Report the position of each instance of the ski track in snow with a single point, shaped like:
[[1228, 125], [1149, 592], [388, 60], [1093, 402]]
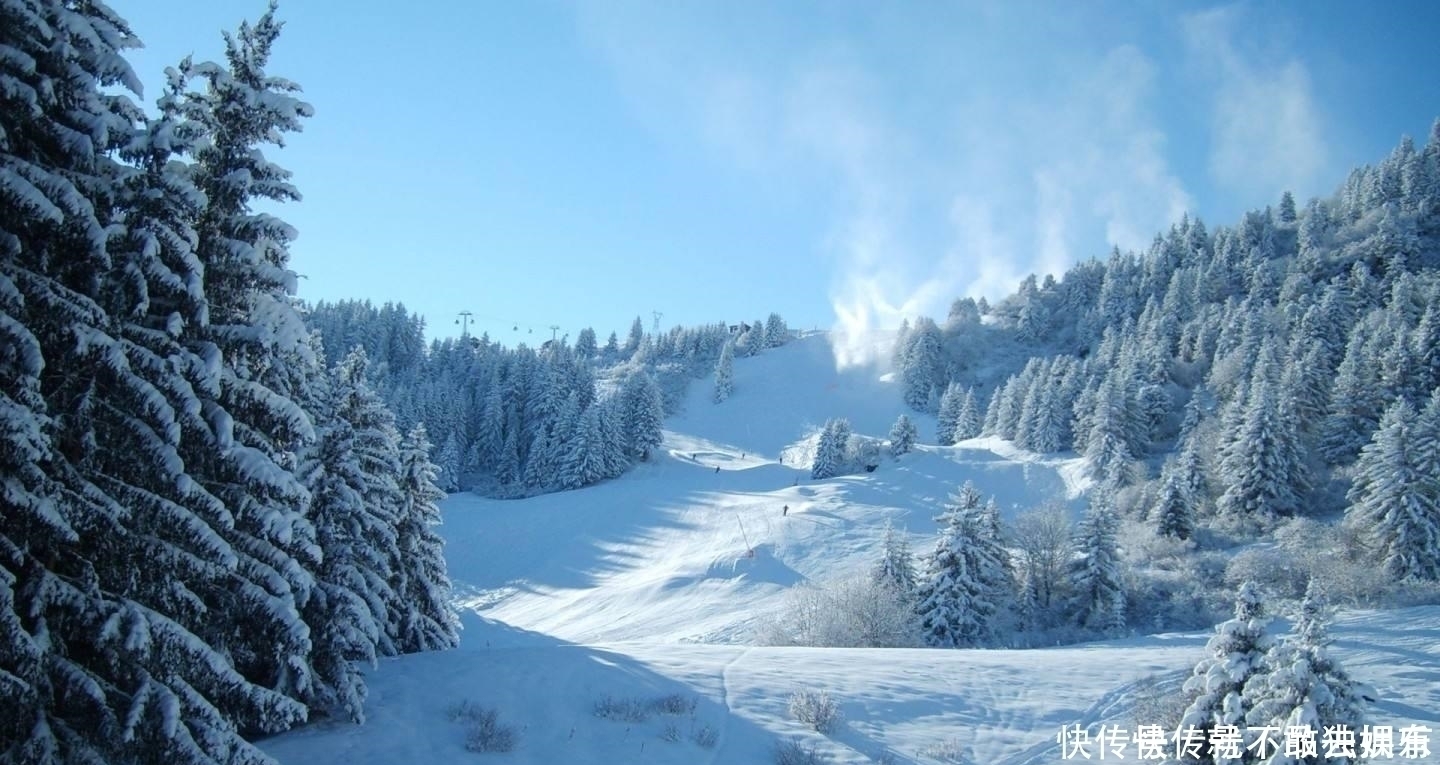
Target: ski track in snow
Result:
[[654, 583]]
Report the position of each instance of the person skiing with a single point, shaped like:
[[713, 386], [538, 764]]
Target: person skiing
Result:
[[786, 511], [717, 468]]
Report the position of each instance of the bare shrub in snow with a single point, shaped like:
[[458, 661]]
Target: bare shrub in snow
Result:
[[1337, 558], [705, 737], [671, 732], [674, 704], [629, 710], [816, 709], [950, 751], [1276, 570], [793, 752], [856, 612], [1042, 538], [483, 730]]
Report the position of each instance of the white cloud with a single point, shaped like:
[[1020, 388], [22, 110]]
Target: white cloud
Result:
[[1030, 176], [1266, 128]]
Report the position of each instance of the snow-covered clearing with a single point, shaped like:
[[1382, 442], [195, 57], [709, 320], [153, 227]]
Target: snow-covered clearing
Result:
[[651, 586]]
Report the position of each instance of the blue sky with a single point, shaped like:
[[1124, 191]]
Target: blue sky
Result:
[[844, 163]]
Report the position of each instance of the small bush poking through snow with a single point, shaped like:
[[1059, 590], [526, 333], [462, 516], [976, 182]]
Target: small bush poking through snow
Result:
[[671, 732], [674, 704], [816, 709], [483, 730], [950, 751], [705, 737], [622, 710], [633, 710], [793, 752]]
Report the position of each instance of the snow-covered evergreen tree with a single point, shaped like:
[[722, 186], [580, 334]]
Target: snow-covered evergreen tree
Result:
[[948, 420], [344, 625], [921, 369], [583, 459], [427, 620], [1107, 445], [1175, 506], [725, 373], [644, 415], [776, 333], [447, 461], [1235, 654], [586, 347], [612, 437], [1095, 577], [1305, 687], [971, 420], [109, 548], [966, 579], [902, 435], [1355, 403], [1395, 504], [830, 449], [896, 567], [632, 340], [1262, 468], [256, 334], [369, 532]]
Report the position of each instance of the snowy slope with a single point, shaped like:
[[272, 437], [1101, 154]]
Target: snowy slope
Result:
[[652, 584], [997, 707], [664, 552]]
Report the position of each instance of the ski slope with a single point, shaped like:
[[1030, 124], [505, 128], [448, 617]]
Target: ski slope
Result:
[[653, 584]]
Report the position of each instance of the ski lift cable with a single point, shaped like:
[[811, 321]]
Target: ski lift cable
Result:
[[515, 325]]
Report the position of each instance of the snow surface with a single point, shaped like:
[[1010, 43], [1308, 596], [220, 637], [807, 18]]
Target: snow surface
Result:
[[653, 584]]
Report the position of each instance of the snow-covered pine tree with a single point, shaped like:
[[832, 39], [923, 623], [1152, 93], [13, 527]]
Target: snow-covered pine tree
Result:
[[344, 626], [375, 450], [1355, 403], [755, 338], [1174, 510], [921, 369], [971, 419], [490, 431], [776, 333], [902, 435], [1107, 446], [612, 437], [632, 340], [830, 449], [1425, 347], [725, 373], [1045, 415], [965, 580], [1236, 654], [582, 460], [1304, 686], [1393, 502], [896, 567], [107, 545], [1262, 468], [257, 338], [1095, 577], [427, 620], [586, 346], [543, 468], [447, 461], [948, 419], [644, 415]]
